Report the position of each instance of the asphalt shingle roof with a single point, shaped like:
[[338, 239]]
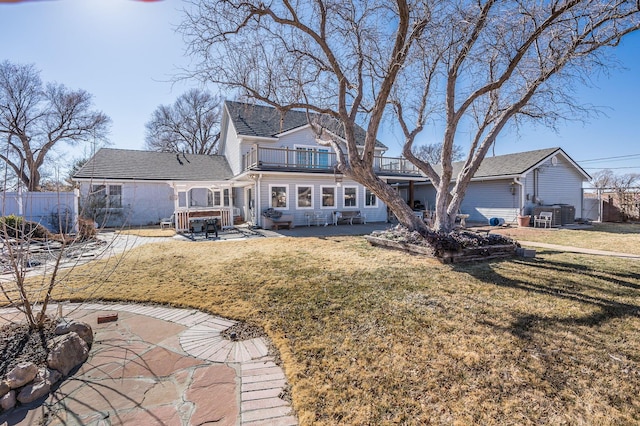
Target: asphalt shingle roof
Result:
[[127, 164], [509, 164], [506, 165], [266, 121]]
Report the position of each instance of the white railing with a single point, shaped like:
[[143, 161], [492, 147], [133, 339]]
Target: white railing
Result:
[[185, 216]]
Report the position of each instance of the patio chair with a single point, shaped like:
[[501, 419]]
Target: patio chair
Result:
[[544, 218], [166, 221]]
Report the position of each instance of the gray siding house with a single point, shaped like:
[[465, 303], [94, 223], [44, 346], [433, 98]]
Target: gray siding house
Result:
[[508, 185]]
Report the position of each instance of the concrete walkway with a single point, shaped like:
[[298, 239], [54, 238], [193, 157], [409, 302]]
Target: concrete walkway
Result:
[[161, 366], [579, 250]]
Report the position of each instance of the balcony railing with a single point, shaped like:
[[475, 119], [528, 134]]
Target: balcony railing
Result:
[[321, 160]]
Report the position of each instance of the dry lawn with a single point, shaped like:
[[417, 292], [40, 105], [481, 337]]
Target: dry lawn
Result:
[[621, 237], [371, 336], [148, 232]]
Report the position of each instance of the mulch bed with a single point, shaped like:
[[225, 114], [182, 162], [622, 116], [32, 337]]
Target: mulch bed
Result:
[[19, 343]]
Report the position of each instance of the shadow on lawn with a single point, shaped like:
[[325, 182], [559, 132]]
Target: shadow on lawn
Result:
[[614, 228], [613, 283]]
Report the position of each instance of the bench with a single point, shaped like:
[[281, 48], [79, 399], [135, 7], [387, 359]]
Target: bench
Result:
[[544, 218], [349, 216]]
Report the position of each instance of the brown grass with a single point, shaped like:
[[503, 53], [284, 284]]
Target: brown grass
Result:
[[370, 336], [148, 232], [620, 237]]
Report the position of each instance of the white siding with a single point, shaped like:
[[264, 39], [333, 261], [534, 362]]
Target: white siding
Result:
[[373, 214], [560, 184], [304, 137], [232, 149], [143, 203], [492, 198]]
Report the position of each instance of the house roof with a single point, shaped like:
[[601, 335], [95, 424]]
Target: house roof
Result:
[[266, 121], [514, 164], [125, 164]]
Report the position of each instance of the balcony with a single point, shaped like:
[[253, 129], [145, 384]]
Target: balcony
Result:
[[320, 160]]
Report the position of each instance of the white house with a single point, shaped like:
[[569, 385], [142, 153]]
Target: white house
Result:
[[272, 160], [266, 160]]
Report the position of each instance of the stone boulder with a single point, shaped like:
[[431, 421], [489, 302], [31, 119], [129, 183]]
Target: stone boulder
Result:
[[40, 386], [82, 328], [21, 374], [8, 401], [66, 352], [4, 388]]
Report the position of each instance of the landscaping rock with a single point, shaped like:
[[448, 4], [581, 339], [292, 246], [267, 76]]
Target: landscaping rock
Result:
[[33, 391], [40, 386], [8, 401], [66, 352], [49, 375], [82, 328], [4, 388], [21, 374]]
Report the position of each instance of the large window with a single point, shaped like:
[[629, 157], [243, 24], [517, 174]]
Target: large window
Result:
[[350, 196], [279, 199], [328, 197], [370, 199], [304, 196]]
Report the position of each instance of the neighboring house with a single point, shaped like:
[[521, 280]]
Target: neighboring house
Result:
[[266, 160], [508, 185]]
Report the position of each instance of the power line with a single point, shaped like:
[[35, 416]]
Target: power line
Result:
[[610, 158], [611, 168]]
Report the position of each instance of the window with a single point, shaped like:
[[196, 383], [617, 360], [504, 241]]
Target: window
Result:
[[304, 195], [279, 197], [106, 196], [328, 197], [370, 199], [99, 192], [115, 196], [351, 196]]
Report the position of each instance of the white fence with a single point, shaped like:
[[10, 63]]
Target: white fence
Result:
[[57, 211]]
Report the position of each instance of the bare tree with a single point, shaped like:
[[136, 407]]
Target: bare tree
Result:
[[472, 67], [35, 118], [432, 153], [191, 124]]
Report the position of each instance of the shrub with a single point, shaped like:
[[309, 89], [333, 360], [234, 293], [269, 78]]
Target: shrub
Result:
[[13, 226]]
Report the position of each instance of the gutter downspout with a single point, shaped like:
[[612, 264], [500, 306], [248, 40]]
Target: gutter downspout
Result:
[[522, 200]]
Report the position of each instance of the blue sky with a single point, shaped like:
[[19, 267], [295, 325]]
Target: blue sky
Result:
[[125, 53]]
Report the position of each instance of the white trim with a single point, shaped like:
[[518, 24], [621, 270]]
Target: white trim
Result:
[[298, 207], [344, 187], [335, 197], [294, 130], [374, 206], [279, 185]]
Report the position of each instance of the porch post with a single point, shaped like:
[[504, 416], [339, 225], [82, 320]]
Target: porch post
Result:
[[176, 204], [411, 194]]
